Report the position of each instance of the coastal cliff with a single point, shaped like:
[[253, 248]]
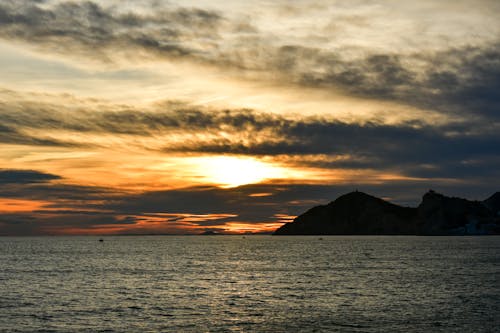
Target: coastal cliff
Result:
[[358, 213], [493, 203]]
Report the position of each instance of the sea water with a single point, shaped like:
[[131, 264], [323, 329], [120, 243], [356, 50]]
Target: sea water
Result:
[[250, 284]]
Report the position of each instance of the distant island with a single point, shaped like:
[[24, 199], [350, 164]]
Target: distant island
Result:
[[358, 213], [210, 233]]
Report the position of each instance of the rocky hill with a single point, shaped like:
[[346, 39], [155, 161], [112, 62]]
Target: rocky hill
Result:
[[357, 213], [441, 215], [493, 203]]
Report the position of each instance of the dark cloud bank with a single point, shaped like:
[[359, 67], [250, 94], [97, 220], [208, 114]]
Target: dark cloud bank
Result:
[[25, 177]]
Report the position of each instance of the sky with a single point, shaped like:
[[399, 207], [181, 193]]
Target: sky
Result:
[[179, 117]]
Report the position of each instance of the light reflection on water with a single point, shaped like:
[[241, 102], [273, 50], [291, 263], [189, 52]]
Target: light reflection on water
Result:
[[251, 284]]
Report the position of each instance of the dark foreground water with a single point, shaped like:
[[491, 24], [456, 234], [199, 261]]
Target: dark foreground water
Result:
[[252, 284]]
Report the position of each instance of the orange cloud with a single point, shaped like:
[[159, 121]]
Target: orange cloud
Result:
[[21, 205]]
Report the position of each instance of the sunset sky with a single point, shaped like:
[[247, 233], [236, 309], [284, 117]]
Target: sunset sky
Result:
[[155, 116]]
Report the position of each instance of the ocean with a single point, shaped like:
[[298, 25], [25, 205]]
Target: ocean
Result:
[[250, 284]]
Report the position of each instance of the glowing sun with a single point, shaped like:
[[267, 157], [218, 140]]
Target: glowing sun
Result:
[[228, 171]]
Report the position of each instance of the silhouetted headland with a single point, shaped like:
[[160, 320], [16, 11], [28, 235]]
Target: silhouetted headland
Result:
[[358, 213]]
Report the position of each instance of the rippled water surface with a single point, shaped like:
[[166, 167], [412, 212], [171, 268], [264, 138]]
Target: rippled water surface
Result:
[[250, 284]]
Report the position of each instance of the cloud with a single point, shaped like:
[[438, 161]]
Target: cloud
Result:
[[25, 177], [41, 223], [12, 136], [461, 79], [408, 147], [39, 186], [99, 32]]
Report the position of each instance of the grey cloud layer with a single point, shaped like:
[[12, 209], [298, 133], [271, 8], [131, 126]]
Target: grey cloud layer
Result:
[[97, 32], [461, 80], [10, 176]]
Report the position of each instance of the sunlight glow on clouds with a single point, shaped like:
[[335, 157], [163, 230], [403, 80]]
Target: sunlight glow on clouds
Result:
[[233, 171], [20, 205]]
